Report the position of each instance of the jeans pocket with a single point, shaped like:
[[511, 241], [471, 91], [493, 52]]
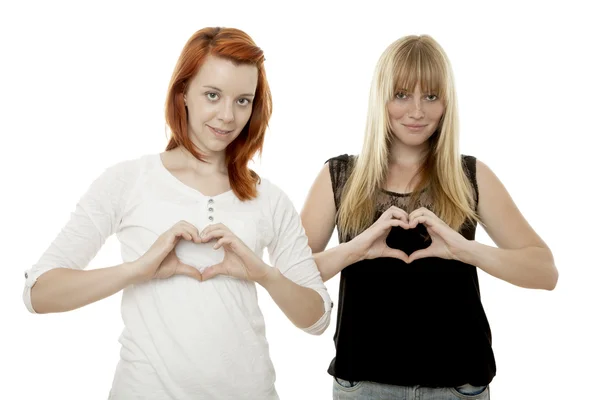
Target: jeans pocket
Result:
[[348, 385], [470, 392]]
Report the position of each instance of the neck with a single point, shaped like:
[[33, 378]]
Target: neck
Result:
[[407, 156], [214, 162]]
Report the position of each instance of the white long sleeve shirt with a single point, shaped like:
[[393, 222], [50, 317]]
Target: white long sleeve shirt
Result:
[[185, 339]]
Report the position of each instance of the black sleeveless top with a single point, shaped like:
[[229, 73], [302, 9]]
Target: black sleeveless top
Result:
[[410, 324]]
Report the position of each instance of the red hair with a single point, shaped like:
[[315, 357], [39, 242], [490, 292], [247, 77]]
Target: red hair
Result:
[[236, 46]]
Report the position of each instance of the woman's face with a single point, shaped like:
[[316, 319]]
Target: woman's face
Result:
[[415, 116], [219, 103]]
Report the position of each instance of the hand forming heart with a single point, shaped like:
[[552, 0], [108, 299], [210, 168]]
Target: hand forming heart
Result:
[[445, 241], [239, 261], [409, 237]]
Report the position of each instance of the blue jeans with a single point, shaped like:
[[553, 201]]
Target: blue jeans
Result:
[[364, 390]]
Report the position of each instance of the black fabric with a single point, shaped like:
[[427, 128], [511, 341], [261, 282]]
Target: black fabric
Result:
[[410, 324]]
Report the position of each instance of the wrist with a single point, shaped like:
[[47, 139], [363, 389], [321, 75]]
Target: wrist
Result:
[[131, 273], [269, 279], [352, 253], [468, 252]]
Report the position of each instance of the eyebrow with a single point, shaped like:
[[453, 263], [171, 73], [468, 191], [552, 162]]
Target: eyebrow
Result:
[[219, 90]]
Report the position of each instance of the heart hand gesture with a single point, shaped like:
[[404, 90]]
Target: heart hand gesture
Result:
[[239, 261], [372, 242], [160, 261], [445, 241]]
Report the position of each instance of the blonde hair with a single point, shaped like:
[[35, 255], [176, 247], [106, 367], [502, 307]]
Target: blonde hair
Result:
[[409, 61]]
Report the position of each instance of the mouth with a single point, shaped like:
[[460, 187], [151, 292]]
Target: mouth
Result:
[[414, 127], [219, 132]]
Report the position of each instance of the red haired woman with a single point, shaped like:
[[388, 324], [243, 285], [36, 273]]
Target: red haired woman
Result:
[[192, 222]]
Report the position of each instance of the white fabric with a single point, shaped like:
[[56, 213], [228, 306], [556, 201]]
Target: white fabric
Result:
[[185, 339]]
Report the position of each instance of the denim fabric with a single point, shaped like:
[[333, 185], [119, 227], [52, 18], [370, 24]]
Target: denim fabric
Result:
[[345, 390]]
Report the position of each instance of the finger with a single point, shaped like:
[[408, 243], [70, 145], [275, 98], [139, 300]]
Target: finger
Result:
[[424, 253], [395, 253], [399, 214], [212, 235], [395, 208], [422, 211], [428, 221], [213, 271], [193, 231], [186, 231], [188, 226], [416, 213], [209, 228], [221, 242], [394, 211], [188, 270], [397, 222], [183, 234]]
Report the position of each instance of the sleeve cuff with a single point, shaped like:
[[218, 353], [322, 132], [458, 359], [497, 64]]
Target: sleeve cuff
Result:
[[31, 277], [321, 325]]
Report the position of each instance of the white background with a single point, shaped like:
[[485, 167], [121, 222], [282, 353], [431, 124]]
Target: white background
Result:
[[83, 86]]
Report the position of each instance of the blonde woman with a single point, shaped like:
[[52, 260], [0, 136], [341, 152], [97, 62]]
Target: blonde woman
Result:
[[410, 319]]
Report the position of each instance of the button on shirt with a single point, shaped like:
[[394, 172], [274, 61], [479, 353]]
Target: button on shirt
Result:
[[185, 339]]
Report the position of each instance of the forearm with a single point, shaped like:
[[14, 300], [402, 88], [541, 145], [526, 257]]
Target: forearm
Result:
[[330, 262], [302, 305], [530, 267], [64, 289]]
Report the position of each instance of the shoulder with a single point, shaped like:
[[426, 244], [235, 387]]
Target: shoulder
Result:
[[476, 168], [470, 164], [123, 172], [482, 177], [340, 168], [486, 178], [269, 191], [119, 180], [341, 160], [273, 203], [132, 165], [266, 187]]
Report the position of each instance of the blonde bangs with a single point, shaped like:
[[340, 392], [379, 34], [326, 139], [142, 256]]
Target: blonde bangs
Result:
[[418, 62]]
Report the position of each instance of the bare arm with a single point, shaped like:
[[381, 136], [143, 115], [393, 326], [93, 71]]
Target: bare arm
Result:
[[522, 257], [334, 260], [302, 305], [65, 289], [318, 219]]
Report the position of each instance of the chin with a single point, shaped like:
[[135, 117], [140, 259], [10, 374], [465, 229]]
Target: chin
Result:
[[212, 145], [413, 141]]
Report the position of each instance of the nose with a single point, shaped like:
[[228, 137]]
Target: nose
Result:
[[226, 112], [416, 111]]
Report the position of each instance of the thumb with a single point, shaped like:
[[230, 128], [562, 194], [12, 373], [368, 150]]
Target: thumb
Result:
[[213, 271], [188, 270], [420, 254], [395, 253]]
